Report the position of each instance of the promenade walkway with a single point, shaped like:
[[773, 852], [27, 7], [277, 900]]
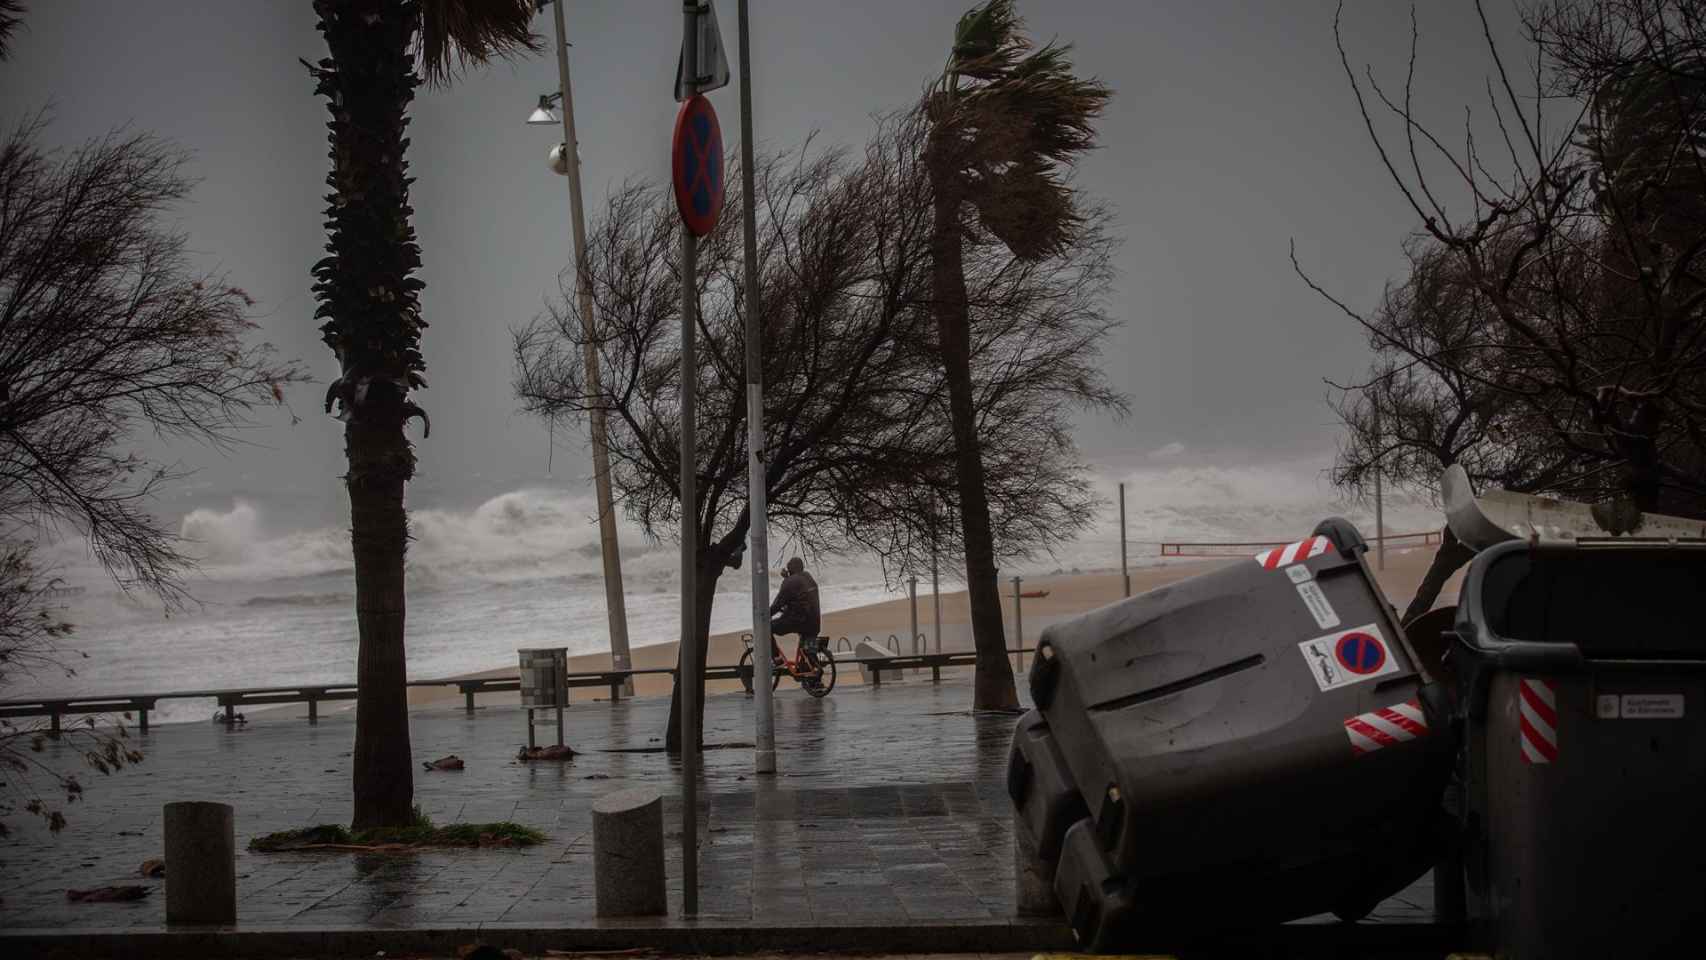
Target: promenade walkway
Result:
[[890, 809]]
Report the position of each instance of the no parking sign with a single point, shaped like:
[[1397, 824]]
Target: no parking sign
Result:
[[1349, 656], [697, 164]]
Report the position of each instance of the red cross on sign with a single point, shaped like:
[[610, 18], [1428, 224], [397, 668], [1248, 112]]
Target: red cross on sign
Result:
[[697, 164]]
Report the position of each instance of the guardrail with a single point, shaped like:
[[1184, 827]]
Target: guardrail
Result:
[[1232, 549], [314, 693]]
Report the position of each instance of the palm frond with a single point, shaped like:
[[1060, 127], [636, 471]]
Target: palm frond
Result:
[[456, 34]]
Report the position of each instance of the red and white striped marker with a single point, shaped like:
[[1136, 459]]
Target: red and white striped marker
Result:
[[1293, 552], [1537, 705], [1383, 728]]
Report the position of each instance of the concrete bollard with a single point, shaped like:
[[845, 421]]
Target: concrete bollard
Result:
[[1033, 877], [627, 854], [201, 863]]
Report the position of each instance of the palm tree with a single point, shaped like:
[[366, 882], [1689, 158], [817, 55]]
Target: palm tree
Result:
[[370, 303], [1007, 119]]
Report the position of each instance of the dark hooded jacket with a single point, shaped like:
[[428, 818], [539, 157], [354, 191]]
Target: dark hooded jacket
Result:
[[796, 605]]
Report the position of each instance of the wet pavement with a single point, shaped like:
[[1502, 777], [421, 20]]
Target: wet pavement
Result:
[[890, 807]]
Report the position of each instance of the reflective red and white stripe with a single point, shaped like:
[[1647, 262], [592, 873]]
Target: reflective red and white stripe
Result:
[[1537, 706], [1293, 552], [1383, 728]]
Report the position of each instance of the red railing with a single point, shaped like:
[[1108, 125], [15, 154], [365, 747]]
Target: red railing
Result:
[[1231, 549]]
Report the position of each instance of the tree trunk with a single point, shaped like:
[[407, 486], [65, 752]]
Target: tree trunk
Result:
[[372, 322], [708, 572], [379, 463], [993, 683], [1448, 559]]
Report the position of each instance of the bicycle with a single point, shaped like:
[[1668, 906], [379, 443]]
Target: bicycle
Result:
[[812, 667]]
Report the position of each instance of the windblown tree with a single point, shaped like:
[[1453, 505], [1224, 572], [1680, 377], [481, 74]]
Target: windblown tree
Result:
[[370, 303], [852, 393], [1007, 120], [1580, 365], [1586, 245], [107, 332]]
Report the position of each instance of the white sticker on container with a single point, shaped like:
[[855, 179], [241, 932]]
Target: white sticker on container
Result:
[[1347, 657], [1606, 706], [1299, 573], [1652, 706], [1325, 616]]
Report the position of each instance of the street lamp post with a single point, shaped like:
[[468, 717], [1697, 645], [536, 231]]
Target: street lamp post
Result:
[[615, 605]]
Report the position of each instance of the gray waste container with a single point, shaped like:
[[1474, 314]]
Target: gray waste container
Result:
[[1584, 673], [1251, 745]]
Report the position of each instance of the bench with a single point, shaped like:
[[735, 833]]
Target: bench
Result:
[[66, 706]]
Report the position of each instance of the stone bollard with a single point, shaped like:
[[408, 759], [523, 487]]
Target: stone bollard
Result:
[[627, 854], [201, 863], [1033, 877]]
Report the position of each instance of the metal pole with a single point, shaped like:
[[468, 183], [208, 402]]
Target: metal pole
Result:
[[1379, 507], [614, 605], [690, 668], [1125, 573], [936, 591], [1018, 622], [764, 753], [912, 595]]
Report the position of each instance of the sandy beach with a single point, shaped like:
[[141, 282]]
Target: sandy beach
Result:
[[1067, 594]]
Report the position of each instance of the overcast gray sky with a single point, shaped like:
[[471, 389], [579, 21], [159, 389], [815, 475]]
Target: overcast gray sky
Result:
[[1232, 131]]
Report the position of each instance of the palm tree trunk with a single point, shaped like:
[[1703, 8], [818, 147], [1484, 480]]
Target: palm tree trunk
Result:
[[369, 301], [379, 463], [993, 682]]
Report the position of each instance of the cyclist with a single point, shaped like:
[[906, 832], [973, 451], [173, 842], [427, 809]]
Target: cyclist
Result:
[[795, 609]]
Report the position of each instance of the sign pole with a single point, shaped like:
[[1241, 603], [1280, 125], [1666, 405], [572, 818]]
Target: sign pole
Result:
[[1125, 572], [614, 604], [689, 660], [764, 753]]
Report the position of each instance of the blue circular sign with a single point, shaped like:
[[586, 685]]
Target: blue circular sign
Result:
[[1360, 652], [697, 165]]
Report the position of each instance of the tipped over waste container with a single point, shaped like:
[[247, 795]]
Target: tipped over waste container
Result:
[[1251, 745], [1583, 666]]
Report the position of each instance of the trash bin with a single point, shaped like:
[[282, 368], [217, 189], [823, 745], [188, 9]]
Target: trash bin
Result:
[[1584, 699], [1251, 745]]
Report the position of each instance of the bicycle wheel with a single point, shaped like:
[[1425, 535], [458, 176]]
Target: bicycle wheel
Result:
[[746, 669], [821, 686]]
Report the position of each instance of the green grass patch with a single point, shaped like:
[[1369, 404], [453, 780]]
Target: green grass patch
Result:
[[421, 832]]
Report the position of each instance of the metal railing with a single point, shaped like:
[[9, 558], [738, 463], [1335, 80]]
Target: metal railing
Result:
[[1232, 549], [314, 693]]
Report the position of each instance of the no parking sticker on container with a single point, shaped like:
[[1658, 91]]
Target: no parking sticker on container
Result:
[[1349, 656]]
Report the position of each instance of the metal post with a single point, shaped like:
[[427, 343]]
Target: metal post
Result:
[[764, 753], [690, 669], [1125, 573], [936, 593], [1018, 622], [1379, 508], [912, 596], [614, 604]]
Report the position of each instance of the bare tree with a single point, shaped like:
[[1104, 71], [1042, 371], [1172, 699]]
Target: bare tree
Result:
[[853, 399], [1580, 235], [105, 331]]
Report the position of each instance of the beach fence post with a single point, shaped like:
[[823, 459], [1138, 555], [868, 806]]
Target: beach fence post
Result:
[[1125, 572], [912, 597], [1018, 622]]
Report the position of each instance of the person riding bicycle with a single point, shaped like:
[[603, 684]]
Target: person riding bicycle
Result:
[[795, 609]]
